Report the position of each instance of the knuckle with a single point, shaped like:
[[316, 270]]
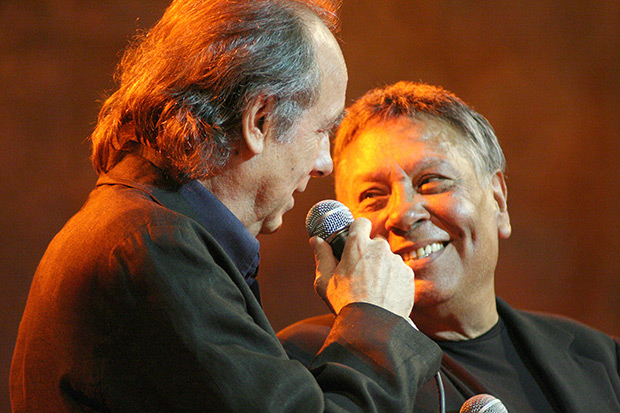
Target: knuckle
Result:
[[317, 282], [320, 283], [354, 237], [359, 225]]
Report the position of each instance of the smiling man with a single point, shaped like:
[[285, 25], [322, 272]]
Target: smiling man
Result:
[[146, 300], [428, 172]]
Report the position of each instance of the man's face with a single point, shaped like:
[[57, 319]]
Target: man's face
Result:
[[423, 195], [289, 166]]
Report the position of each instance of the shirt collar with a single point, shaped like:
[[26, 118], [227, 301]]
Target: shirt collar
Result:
[[232, 235]]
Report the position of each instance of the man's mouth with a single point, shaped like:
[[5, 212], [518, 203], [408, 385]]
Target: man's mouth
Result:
[[422, 252]]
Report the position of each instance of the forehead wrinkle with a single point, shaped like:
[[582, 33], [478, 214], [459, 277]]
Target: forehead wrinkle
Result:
[[374, 157], [357, 161], [386, 173]]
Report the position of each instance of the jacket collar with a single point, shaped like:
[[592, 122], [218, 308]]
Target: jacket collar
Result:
[[194, 201], [134, 171]]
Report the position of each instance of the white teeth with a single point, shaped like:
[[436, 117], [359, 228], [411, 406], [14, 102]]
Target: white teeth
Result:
[[423, 252]]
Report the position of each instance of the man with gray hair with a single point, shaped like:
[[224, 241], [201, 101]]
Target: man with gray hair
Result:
[[428, 172], [147, 300]]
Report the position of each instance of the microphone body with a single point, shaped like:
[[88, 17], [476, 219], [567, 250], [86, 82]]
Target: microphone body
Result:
[[483, 403], [330, 221]]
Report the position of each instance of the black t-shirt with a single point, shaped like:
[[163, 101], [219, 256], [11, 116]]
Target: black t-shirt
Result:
[[493, 360]]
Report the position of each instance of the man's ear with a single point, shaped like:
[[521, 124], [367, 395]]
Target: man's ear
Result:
[[255, 123], [500, 194]]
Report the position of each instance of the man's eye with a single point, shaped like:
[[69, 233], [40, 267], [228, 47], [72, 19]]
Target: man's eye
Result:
[[371, 193], [372, 199], [433, 184], [329, 131]]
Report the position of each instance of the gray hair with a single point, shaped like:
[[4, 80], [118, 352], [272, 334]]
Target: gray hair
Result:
[[185, 84], [419, 101]]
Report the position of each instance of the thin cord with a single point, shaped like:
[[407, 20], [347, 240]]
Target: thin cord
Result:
[[442, 394]]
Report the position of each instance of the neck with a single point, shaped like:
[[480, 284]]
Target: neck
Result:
[[450, 321], [230, 188]]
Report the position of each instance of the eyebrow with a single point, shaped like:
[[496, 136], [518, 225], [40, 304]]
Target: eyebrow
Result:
[[337, 120], [340, 117], [380, 173]]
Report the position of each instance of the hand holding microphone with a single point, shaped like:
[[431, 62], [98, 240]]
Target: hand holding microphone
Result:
[[367, 272]]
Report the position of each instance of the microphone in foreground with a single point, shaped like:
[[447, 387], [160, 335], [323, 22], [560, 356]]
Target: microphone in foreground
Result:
[[483, 403], [330, 221]]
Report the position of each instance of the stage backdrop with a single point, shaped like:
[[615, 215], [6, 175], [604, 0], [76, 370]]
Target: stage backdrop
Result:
[[545, 73]]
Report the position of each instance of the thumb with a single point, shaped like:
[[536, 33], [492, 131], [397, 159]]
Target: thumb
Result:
[[325, 264]]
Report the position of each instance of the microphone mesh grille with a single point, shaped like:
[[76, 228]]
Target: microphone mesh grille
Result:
[[327, 217], [483, 403]]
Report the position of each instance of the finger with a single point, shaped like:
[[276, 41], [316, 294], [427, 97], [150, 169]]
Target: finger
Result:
[[322, 251], [325, 263], [383, 242], [380, 237], [360, 227]]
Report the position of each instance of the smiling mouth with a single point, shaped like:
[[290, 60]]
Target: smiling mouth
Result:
[[422, 252]]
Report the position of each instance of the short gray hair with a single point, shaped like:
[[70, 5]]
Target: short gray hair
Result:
[[420, 101]]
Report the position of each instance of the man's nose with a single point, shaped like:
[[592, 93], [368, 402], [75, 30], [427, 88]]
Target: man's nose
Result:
[[323, 165], [406, 212]]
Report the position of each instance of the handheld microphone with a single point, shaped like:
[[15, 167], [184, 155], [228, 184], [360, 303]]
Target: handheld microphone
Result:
[[483, 403], [330, 221]]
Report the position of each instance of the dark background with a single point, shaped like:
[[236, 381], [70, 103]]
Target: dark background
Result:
[[545, 73]]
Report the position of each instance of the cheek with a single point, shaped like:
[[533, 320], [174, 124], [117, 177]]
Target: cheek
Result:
[[309, 146], [453, 213], [305, 156], [378, 222], [378, 228]]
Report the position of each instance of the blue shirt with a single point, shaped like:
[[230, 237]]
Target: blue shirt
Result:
[[240, 245]]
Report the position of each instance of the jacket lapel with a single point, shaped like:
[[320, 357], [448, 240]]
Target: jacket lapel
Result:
[[569, 380]]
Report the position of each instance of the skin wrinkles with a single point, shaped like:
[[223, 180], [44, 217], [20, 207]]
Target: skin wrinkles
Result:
[[258, 185], [418, 189], [308, 154]]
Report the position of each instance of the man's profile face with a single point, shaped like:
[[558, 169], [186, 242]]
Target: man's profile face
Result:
[[286, 168], [423, 195]]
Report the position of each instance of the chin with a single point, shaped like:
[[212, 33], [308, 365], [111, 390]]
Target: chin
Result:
[[271, 226], [267, 231], [426, 294]]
